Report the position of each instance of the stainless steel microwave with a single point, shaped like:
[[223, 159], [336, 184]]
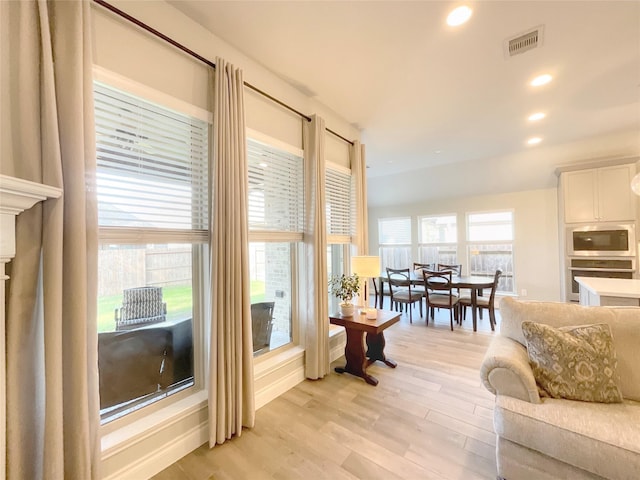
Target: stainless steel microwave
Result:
[[604, 240]]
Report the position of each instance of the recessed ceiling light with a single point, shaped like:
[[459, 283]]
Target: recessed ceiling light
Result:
[[534, 117], [437, 151], [458, 16], [264, 164], [534, 140], [541, 80]]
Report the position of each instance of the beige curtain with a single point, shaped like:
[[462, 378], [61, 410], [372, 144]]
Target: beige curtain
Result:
[[52, 376], [315, 296], [231, 397], [359, 171]]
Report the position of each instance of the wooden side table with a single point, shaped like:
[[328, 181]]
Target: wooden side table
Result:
[[356, 326]]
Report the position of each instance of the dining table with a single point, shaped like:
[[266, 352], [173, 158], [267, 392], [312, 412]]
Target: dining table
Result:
[[475, 283]]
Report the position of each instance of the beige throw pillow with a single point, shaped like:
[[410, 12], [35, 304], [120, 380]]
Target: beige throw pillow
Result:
[[577, 363]]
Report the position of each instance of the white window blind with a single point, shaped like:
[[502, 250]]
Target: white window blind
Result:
[[276, 188], [339, 202], [394, 231], [151, 164]]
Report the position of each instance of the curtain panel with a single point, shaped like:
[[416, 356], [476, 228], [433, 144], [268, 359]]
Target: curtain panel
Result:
[[359, 169], [315, 290], [52, 369], [231, 392]]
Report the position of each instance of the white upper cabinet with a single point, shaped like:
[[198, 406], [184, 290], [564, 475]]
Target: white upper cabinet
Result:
[[599, 195]]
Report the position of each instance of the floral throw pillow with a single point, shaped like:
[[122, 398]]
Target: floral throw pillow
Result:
[[576, 363]]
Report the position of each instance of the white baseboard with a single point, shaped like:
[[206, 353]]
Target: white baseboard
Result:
[[274, 390]]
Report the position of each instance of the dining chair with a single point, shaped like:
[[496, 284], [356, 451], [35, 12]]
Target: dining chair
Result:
[[456, 269], [417, 269], [483, 302], [262, 324], [439, 294], [399, 280]]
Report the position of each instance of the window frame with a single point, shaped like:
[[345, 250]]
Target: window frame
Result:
[[275, 236], [386, 245], [111, 235], [424, 244], [471, 244]]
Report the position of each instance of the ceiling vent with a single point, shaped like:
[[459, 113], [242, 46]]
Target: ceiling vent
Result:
[[524, 42]]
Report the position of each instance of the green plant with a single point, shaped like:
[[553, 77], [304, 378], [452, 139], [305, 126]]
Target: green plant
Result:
[[345, 287]]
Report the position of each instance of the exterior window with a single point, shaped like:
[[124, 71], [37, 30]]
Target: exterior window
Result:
[[490, 244], [152, 193], [438, 239], [394, 239], [276, 214], [340, 215]]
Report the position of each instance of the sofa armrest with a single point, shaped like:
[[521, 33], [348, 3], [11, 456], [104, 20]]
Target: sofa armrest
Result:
[[505, 370]]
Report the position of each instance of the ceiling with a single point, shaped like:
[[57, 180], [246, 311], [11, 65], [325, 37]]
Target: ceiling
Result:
[[426, 95]]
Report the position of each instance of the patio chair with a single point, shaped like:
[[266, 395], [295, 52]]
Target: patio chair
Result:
[[261, 324], [140, 306]]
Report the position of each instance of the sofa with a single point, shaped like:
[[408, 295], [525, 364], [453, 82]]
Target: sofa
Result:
[[542, 438]]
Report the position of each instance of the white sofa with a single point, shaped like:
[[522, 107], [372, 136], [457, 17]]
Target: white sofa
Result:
[[552, 438]]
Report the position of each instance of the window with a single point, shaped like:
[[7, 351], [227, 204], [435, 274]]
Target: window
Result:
[[438, 239], [152, 189], [490, 237], [340, 215], [276, 214], [394, 239]]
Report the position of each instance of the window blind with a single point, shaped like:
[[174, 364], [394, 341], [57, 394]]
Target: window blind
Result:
[[394, 231], [276, 188], [339, 202], [151, 164], [492, 226]]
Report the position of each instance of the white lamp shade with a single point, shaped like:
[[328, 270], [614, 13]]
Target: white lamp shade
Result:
[[366, 266], [635, 184]]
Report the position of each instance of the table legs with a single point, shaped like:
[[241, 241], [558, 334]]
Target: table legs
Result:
[[474, 307], [357, 361]]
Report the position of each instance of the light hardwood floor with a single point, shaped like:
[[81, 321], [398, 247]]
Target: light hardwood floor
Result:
[[430, 418]]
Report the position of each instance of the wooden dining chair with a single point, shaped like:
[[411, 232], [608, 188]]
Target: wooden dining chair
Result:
[[483, 302], [439, 294], [417, 270], [455, 269], [404, 294]]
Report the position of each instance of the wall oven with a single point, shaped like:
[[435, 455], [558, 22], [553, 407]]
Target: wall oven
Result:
[[597, 267], [602, 240]]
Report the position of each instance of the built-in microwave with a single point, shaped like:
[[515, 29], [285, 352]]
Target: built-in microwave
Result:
[[607, 240]]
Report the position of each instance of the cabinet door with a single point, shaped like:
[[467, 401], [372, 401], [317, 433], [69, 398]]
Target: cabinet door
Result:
[[580, 198], [616, 200]]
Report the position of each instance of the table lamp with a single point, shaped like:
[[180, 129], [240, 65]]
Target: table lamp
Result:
[[366, 266]]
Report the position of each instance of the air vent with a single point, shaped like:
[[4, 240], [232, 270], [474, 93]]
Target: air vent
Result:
[[524, 42]]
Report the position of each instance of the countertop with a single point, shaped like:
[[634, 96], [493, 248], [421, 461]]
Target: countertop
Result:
[[611, 287]]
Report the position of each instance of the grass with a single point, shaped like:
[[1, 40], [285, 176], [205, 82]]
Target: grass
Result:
[[177, 297]]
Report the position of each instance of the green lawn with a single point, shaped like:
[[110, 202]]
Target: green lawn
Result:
[[178, 299]]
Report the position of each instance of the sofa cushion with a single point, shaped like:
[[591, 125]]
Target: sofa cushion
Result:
[[578, 363], [624, 323], [603, 439]]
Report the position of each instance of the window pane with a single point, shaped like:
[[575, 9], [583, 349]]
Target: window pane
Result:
[[270, 266], [276, 188], [335, 266], [151, 164], [440, 229], [145, 324], [494, 226], [445, 254], [395, 257], [485, 259]]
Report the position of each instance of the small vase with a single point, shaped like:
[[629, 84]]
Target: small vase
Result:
[[347, 309]]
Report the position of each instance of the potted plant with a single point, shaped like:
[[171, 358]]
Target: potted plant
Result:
[[345, 287]]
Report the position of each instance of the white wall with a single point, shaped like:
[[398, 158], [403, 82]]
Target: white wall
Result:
[[536, 245]]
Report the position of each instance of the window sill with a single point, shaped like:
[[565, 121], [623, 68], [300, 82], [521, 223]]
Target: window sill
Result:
[[119, 440]]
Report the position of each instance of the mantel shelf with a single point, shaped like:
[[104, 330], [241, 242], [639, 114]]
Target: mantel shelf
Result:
[[16, 196]]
